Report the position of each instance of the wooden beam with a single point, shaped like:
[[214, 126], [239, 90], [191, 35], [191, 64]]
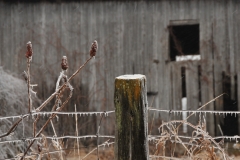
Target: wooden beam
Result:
[[130, 101]]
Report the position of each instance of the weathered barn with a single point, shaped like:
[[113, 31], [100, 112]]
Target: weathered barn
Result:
[[135, 37]]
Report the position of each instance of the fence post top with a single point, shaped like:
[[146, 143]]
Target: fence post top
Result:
[[131, 76]]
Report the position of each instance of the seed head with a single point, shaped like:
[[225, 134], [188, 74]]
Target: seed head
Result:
[[29, 50], [93, 49], [64, 63]]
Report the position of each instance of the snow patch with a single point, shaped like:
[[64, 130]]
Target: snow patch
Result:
[[132, 76], [188, 57]]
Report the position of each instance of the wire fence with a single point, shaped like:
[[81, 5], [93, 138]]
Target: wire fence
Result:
[[197, 140], [33, 115], [179, 112], [48, 114], [151, 138]]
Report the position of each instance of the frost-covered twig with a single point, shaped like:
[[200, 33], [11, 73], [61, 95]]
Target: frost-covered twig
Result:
[[34, 125], [206, 105], [57, 93], [79, 69], [47, 100], [98, 135], [62, 87], [175, 133], [199, 140], [57, 145], [29, 58], [58, 101], [105, 143], [198, 110], [28, 86], [64, 65], [76, 120], [198, 129], [45, 125], [12, 129]]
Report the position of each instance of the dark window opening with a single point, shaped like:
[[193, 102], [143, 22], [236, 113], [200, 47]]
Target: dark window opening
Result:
[[199, 83], [183, 77], [184, 40], [230, 104]]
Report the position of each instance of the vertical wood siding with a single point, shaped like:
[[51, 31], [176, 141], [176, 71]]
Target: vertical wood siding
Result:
[[133, 39]]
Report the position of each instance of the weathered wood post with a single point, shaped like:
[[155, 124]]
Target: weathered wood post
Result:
[[130, 99]]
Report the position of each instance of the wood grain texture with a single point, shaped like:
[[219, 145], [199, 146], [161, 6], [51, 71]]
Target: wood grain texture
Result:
[[133, 39], [131, 109]]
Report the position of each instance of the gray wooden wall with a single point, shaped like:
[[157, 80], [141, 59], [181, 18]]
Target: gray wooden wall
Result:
[[133, 39]]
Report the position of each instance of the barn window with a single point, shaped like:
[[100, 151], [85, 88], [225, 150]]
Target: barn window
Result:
[[184, 40], [230, 104]]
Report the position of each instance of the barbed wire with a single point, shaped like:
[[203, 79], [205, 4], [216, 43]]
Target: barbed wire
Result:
[[109, 112], [195, 111], [106, 113], [150, 138], [59, 113], [236, 137], [56, 138]]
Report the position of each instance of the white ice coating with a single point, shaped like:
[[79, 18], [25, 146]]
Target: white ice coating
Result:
[[56, 138], [48, 114], [132, 76], [157, 137], [222, 113]]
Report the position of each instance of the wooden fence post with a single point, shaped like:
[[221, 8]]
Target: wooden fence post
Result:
[[130, 99]]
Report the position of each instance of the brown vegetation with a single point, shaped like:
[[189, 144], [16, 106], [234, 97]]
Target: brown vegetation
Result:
[[63, 87]]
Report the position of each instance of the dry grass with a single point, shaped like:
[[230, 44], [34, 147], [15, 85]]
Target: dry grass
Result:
[[198, 146], [104, 154]]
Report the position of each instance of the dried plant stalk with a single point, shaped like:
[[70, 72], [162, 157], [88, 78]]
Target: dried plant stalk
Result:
[[76, 120], [58, 145], [66, 84], [45, 125], [199, 144], [29, 57], [35, 125], [58, 92], [96, 148]]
